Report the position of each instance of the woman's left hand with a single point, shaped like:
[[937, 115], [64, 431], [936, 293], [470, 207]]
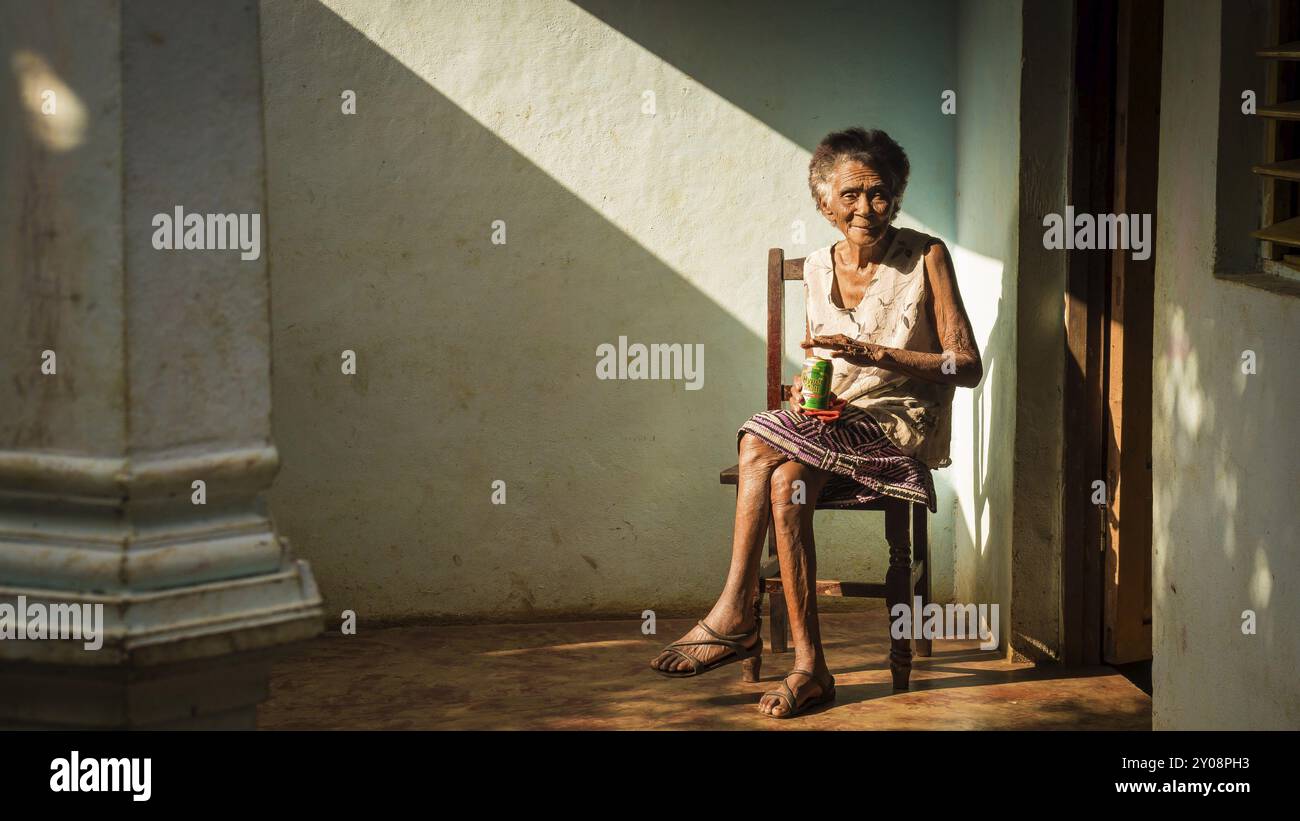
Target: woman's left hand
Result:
[[853, 351]]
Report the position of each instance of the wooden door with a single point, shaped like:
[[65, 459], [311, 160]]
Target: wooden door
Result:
[[1106, 551], [1126, 584]]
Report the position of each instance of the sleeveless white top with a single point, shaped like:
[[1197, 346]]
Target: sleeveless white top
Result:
[[915, 414]]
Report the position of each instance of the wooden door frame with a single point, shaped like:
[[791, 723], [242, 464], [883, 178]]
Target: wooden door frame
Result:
[[1087, 280], [1126, 583], [1113, 148]]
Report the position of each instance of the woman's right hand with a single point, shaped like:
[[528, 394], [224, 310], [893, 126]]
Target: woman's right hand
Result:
[[796, 402], [796, 394]]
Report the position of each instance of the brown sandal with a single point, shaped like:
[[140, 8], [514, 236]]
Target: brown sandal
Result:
[[734, 643], [826, 696]]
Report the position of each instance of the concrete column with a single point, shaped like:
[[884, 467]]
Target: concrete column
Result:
[[129, 373], [1045, 93]]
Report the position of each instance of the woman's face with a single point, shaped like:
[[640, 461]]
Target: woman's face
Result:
[[860, 204]]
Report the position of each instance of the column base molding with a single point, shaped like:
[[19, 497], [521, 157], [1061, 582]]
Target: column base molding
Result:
[[181, 623], [217, 693]]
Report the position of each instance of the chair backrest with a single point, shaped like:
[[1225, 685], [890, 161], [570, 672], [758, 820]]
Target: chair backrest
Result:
[[779, 271]]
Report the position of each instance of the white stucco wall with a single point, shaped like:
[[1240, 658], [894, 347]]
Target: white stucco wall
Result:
[[61, 296], [978, 486], [477, 361], [1224, 442]]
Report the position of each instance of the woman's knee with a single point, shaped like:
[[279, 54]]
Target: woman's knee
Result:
[[791, 483], [754, 452]]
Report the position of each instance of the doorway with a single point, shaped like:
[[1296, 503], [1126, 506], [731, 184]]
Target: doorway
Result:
[[1106, 509]]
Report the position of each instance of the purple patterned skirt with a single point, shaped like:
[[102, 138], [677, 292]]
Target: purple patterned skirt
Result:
[[866, 464]]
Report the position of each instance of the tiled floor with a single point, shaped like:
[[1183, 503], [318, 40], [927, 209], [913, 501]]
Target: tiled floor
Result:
[[595, 675]]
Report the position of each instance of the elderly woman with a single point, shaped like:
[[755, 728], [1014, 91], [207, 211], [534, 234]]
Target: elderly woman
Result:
[[883, 304]]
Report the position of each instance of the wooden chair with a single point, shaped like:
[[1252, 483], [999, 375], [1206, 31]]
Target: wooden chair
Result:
[[909, 566]]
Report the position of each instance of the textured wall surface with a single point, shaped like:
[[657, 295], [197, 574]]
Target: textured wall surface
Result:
[[1224, 442], [132, 472], [63, 271], [476, 361], [123, 142], [198, 343], [1046, 100], [988, 196]]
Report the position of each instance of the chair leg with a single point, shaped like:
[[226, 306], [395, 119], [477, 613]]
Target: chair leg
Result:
[[898, 583], [921, 553], [752, 669]]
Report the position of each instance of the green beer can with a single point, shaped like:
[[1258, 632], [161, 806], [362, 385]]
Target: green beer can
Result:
[[816, 383]]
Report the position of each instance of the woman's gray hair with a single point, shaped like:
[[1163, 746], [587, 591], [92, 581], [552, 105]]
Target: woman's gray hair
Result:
[[874, 148]]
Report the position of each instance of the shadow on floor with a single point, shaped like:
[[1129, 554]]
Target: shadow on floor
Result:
[[1138, 672], [595, 675]]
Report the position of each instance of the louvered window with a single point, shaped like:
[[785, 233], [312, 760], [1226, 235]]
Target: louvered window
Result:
[[1279, 172]]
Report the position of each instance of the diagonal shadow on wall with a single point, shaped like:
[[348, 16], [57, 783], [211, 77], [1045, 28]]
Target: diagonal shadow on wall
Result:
[[807, 69], [796, 69], [476, 361]]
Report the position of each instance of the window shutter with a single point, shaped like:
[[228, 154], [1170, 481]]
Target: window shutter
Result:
[[1280, 170]]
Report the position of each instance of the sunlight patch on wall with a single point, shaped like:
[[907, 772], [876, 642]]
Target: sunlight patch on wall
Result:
[[1225, 489], [1261, 580], [1182, 398], [56, 117], [980, 280], [700, 183]]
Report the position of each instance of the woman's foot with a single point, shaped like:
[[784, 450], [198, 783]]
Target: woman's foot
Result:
[[806, 687], [727, 623]]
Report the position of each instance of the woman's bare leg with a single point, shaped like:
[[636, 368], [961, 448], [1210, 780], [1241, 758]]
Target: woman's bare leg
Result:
[[734, 611], [797, 554]]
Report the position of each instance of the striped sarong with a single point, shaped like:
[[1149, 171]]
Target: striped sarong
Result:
[[866, 464]]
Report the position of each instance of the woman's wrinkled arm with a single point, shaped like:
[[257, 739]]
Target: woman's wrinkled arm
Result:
[[959, 363]]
